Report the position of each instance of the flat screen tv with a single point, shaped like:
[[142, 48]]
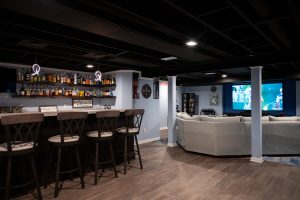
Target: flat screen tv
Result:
[[272, 97]]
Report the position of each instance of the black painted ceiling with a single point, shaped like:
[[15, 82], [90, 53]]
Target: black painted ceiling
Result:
[[123, 34]]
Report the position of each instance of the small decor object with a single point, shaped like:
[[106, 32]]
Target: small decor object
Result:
[[214, 99], [36, 69], [146, 91], [155, 89], [213, 89], [82, 103], [44, 109], [135, 85]]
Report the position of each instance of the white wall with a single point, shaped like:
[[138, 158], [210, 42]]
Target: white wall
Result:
[[204, 94], [298, 98], [163, 103], [151, 121]]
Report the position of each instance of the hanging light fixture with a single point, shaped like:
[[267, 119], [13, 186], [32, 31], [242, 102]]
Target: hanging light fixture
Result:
[[98, 74], [35, 67]]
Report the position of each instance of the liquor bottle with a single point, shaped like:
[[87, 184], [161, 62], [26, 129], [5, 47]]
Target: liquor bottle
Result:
[[38, 78], [113, 81], [41, 92], [62, 79], [19, 74], [60, 91], [75, 79], [31, 78], [68, 79], [54, 78], [34, 78], [56, 92], [83, 80], [22, 91], [27, 75], [44, 78], [58, 78]]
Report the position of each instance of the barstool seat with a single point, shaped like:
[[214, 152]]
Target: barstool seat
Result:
[[130, 130], [67, 139], [18, 146], [94, 134]]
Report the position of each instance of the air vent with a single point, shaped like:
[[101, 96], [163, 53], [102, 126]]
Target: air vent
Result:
[[95, 55], [32, 44]]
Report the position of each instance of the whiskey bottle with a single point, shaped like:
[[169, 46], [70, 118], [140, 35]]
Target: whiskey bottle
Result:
[[22, 91]]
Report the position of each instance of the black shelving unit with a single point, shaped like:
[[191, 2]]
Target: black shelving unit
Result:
[[189, 103]]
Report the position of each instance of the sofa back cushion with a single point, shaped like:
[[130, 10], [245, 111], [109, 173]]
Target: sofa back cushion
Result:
[[294, 118], [248, 119], [221, 119]]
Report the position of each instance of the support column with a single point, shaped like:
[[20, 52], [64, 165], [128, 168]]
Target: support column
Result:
[[256, 111], [172, 111]]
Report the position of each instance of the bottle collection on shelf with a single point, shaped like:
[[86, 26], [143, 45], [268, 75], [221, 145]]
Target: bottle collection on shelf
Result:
[[66, 84]]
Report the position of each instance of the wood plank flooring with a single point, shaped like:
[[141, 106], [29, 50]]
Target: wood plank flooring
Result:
[[172, 173]]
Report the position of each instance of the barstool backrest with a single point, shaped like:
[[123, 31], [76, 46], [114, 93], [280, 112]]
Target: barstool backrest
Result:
[[107, 121], [71, 123], [21, 128], [134, 118]]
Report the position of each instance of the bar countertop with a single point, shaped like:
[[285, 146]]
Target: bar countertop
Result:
[[52, 114]]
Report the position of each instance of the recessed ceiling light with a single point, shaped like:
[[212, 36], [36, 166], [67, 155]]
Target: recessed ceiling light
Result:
[[90, 66], [169, 58], [191, 43], [224, 75], [210, 73], [250, 55]]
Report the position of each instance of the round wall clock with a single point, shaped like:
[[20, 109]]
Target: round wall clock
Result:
[[146, 91]]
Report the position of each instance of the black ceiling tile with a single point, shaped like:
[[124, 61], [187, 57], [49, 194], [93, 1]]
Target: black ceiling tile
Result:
[[224, 19]]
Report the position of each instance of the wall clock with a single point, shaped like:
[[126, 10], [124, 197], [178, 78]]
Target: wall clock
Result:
[[146, 91]]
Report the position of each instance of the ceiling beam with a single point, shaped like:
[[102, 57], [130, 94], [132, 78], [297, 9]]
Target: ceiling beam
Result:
[[236, 9], [208, 25], [212, 11]]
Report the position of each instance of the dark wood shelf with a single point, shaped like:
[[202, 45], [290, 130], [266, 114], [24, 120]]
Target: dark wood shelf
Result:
[[72, 97], [66, 84]]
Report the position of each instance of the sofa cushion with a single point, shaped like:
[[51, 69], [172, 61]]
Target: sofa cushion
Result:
[[187, 117], [294, 118], [182, 114], [248, 119], [221, 119]]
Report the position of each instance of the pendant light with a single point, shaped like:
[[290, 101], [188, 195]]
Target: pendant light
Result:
[[98, 74], [35, 67]]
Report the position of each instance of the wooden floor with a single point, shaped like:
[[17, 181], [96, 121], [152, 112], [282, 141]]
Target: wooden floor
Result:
[[171, 173]]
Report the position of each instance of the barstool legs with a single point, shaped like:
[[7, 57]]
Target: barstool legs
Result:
[[79, 167], [138, 150], [125, 154], [7, 186], [57, 173], [96, 163], [112, 158], [37, 185]]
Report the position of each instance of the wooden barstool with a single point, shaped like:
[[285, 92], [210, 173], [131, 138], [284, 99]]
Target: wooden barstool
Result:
[[21, 133], [133, 119], [71, 127], [106, 124]]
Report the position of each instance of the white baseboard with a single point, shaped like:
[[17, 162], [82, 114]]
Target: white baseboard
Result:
[[257, 160], [148, 140], [172, 144]]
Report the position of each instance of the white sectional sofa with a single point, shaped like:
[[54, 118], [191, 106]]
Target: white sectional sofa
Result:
[[220, 136]]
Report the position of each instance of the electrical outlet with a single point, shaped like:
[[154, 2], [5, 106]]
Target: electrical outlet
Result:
[[145, 130]]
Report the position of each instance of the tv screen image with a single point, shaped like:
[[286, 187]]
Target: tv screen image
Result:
[[271, 97]]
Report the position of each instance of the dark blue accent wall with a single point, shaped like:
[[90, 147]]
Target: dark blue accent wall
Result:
[[289, 99]]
